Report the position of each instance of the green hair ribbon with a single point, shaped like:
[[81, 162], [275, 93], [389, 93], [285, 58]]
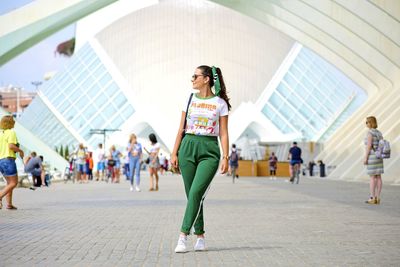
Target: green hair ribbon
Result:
[[217, 85]]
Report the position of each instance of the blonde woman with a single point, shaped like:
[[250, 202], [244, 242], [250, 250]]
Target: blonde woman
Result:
[[134, 149], [8, 148], [374, 165]]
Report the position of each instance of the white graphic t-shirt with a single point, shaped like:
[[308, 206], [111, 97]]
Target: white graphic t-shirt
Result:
[[203, 115], [154, 147]]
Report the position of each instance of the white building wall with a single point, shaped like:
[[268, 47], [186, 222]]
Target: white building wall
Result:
[[157, 49]]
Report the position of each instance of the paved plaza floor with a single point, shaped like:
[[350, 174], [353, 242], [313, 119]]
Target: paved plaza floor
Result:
[[254, 222]]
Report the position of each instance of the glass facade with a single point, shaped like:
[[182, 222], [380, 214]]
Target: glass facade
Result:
[[313, 98], [85, 95], [45, 125]]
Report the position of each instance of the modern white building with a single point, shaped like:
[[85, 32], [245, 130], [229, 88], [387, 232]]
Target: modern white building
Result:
[[295, 70]]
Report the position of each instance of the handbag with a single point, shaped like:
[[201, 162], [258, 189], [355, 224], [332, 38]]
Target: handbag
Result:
[[183, 133]]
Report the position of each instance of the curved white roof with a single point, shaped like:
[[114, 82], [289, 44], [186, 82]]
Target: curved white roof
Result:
[[152, 53], [362, 39], [156, 49]]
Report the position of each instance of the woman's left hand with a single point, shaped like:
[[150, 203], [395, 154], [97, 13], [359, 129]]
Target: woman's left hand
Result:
[[21, 154], [365, 161], [224, 166]]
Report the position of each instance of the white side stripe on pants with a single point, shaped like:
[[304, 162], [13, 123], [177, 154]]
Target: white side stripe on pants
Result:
[[201, 203]]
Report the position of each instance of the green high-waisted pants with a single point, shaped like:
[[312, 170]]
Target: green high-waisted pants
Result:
[[198, 159]]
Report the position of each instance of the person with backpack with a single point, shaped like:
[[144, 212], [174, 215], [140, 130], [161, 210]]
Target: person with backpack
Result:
[[234, 163], [373, 163], [295, 162]]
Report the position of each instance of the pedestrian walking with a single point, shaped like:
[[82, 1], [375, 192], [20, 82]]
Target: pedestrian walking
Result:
[[89, 166], [126, 171], [100, 162], [311, 165], [204, 118], [163, 163], [154, 163], [295, 162], [81, 155], [9, 146], [234, 163], [273, 165], [374, 165], [116, 155]]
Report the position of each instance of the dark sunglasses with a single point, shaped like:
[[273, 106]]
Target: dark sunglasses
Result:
[[194, 76]]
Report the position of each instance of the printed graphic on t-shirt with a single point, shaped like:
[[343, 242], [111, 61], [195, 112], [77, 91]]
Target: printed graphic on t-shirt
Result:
[[203, 116]]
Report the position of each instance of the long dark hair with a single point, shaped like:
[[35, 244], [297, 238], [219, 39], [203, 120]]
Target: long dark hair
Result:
[[153, 138], [207, 71]]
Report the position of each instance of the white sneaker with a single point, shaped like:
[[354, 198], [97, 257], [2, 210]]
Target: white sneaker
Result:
[[137, 188], [131, 188], [181, 247], [200, 245]]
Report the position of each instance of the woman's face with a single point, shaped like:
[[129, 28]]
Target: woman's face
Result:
[[198, 79], [368, 124], [132, 139]]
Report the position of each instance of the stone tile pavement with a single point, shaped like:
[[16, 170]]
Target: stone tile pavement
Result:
[[254, 222]]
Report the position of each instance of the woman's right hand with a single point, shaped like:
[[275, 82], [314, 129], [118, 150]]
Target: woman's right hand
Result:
[[174, 161]]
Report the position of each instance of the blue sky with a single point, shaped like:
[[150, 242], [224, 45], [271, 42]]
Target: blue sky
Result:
[[32, 64]]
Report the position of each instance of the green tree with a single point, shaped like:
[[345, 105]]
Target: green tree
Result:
[[61, 151], [66, 152], [56, 148]]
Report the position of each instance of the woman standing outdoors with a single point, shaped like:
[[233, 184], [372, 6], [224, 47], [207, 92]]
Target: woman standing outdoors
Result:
[[374, 165], [154, 163], [135, 154], [199, 153], [273, 164], [8, 147], [115, 155]]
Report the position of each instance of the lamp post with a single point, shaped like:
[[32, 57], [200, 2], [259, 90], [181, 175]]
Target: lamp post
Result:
[[36, 84], [104, 133], [18, 110]]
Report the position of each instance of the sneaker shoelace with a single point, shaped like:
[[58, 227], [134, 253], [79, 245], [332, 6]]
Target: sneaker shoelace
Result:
[[182, 241], [200, 242]]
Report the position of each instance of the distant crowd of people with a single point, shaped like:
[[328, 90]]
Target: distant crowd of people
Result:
[[99, 165]]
